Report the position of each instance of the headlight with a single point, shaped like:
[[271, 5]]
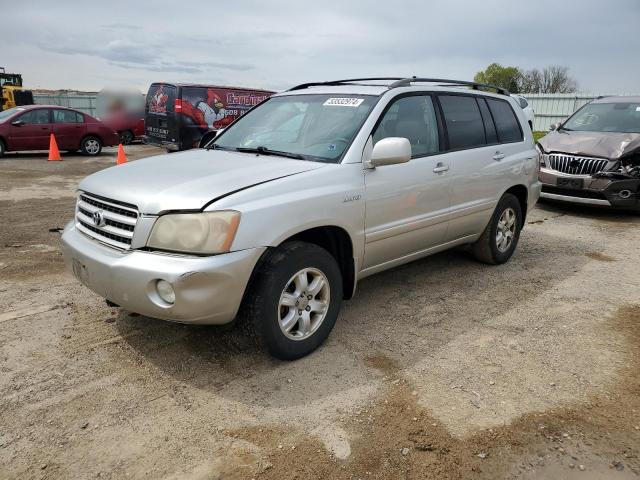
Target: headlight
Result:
[[204, 233]]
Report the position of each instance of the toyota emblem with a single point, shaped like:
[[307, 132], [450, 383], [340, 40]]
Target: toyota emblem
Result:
[[98, 218]]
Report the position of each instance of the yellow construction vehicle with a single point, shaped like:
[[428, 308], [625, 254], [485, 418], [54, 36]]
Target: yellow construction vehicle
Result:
[[11, 92]]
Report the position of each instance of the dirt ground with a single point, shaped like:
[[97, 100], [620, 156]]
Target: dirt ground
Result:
[[441, 369]]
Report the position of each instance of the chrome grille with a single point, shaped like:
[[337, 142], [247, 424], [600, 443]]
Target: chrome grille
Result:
[[575, 165], [118, 220]]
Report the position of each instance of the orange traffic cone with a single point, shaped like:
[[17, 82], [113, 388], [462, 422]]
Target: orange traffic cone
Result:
[[54, 153], [122, 158]]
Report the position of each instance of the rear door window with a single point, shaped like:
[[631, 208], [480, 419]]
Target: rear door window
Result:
[[462, 118], [67, 116], [161, 99], [413, 118], [489, 126], [506, 121]]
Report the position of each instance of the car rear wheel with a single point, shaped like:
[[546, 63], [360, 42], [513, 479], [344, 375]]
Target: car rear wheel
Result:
[[126, 137], [499, 240], [91, 146], [293, 300], [2, 149]]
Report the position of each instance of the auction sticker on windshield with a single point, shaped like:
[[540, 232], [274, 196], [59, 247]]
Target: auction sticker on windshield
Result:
[[343, 102]]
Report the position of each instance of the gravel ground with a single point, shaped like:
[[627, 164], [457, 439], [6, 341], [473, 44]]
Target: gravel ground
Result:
[[444, 368]]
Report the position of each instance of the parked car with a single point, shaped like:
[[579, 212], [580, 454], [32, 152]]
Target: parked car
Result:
[[128, 125], [183, 116], [29, 128], [593, 157], [302, 197], [529, 113]]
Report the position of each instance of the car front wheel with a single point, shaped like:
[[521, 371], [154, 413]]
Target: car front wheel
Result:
[[91, 146], [293, 300], [499, 240]]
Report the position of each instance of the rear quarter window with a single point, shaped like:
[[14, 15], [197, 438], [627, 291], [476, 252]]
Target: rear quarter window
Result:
[[463, 121], [505, 119]]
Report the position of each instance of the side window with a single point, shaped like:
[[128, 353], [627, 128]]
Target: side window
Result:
[[36, 117], [463, 120], [506, 121], [66, 116], [489, 127], [413, 118]]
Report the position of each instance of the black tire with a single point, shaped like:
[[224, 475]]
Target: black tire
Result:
[[485, 249], [2, 148], [126, 137], [259, 315], [90, 148]]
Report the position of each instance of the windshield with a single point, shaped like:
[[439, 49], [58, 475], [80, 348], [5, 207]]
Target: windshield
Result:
[[311, 127], [7, 113], [606, 117]]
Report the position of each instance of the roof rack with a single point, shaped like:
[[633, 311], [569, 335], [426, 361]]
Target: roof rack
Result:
[[342, 82], [403, 82], [462, 83]]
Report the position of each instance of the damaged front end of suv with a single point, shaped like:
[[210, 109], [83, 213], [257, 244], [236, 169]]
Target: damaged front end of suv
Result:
[[594, 157]]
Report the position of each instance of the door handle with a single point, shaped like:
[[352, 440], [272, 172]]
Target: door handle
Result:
[[440, 168], [498, 156]]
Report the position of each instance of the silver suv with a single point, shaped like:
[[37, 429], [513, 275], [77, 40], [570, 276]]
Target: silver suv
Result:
[[307, 193]]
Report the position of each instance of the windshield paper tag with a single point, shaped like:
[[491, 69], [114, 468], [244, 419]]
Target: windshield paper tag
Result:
[[343, 102]]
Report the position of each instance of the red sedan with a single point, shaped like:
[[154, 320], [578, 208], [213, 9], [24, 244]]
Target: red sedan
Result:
[[29, 127], [129, 125]]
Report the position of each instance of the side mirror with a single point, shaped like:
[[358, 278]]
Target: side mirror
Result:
[[17, 123], [555, 126], [390, 151]]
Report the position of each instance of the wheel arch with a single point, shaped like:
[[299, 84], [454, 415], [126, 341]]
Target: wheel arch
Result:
[[522, 194], [337, 241]]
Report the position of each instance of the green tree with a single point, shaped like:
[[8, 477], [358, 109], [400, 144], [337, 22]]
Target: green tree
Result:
[[496, 74]]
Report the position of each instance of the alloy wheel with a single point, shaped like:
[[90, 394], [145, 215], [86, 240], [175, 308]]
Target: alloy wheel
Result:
[[304, 303]]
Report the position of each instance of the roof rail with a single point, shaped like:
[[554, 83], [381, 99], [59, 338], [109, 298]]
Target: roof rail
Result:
[[474, 85], [403, 82], [347, 81]]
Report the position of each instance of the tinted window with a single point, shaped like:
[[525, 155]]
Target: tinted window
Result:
[[161, 99], [413, 118], [489, 127], [39, 116], [67, 116], [523, 102], [505, 120], [464, 123]]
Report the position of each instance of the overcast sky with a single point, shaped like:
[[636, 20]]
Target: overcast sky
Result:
[[275, 44]]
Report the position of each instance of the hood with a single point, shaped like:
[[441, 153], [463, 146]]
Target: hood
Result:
[[609, 145], [188, 180]]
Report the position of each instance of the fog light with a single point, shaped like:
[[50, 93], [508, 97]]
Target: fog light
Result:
[[165, 291]]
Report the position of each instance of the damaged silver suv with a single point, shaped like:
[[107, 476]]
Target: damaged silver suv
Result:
[[303, 196], [594, 156]]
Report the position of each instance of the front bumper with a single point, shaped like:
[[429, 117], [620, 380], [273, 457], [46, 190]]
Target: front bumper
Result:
[[602, 191], [208, 290]]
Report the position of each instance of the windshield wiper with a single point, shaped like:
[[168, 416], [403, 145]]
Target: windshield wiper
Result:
[[215, 146], [267, 151]]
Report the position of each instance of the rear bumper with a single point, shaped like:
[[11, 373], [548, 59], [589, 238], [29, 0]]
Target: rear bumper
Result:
[[173, 146], [208, 290], [601, 191]]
